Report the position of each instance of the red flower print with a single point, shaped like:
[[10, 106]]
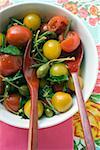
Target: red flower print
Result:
[[98, 47], [94, 10], [93, 21], [61, 1], [71, 7], [83, 13]]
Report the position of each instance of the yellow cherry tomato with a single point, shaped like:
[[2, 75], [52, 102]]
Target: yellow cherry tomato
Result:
[[1, 39], [40, 109], [61, 101], [52, 49], [58, 69], [32, 21], [27, 107], [71, 84]]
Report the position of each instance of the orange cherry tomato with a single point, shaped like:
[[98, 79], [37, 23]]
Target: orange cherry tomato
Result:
[[1, 86], [12, 103], [18, 35], [10, 64], [57, 24], [71, 42]]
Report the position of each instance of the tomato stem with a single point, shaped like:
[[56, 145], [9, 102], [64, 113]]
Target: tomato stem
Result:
[[52, 107], [67, 28], [6, 80], [61, 59]]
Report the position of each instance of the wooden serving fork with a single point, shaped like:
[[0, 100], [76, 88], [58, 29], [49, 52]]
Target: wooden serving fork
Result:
[[33, 84], [74, 68]]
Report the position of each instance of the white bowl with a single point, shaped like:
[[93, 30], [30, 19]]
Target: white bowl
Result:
[[90, 63]]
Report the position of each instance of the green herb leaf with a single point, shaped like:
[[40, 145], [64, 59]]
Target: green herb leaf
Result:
[[95, 98], [17, 76], [21, 113], [23, 102], [16, 21], [47, 34], [58, 79], [12, 50], [46, 92], [3, 41]]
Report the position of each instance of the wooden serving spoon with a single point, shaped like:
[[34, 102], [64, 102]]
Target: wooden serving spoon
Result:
[[74, 68], [33, 84]]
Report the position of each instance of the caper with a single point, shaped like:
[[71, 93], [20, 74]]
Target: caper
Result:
[[43, 70], [23, 90], [48, 112]]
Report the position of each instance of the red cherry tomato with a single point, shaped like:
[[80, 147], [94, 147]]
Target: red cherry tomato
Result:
[[71, 42], [57, 24], [1, 86], [10, 64], [18, 35], [12, 103]]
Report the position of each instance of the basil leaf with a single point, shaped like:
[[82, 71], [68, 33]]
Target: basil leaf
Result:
[[58, 79], [12, 50], [95, 98]]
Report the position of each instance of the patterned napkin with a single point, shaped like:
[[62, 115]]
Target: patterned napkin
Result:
[[89, 12]]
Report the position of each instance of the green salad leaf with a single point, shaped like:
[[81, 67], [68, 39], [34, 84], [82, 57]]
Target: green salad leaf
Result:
[[58, 79], [12, 50]]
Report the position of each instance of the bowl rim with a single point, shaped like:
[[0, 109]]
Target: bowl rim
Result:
[[96, 60]]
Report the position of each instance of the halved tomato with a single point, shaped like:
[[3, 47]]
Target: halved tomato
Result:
[[71, 42], [57, 24]]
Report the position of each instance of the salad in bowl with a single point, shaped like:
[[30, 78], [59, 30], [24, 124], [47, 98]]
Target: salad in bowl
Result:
[[53, 40]]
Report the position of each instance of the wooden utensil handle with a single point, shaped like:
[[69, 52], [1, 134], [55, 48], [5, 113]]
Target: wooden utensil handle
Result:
[[33, 129], [84, 117]]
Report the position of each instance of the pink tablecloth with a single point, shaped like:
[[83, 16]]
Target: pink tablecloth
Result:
[[56, 138]]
